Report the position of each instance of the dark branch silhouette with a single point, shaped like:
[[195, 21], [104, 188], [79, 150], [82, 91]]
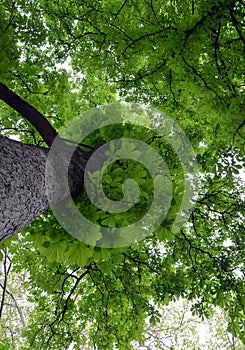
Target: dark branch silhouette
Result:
[[42, 125]]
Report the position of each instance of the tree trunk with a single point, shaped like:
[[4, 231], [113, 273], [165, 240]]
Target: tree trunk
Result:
[[22, 185]]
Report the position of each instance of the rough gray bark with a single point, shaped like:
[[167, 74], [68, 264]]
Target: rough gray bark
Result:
[[23, 191], [22, 185]]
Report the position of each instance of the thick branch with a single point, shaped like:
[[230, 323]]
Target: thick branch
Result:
[[42, 125]]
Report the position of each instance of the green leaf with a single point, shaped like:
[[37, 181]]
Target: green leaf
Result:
[[164, 233], [78, 254]]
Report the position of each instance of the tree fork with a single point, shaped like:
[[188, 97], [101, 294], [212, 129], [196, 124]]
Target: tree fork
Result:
[[23, 185]]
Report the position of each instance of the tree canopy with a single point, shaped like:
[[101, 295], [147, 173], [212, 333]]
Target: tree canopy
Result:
[[184, 58]]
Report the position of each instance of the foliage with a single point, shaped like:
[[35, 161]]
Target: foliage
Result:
[[14, 305], [177, 329], [183, 57]]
